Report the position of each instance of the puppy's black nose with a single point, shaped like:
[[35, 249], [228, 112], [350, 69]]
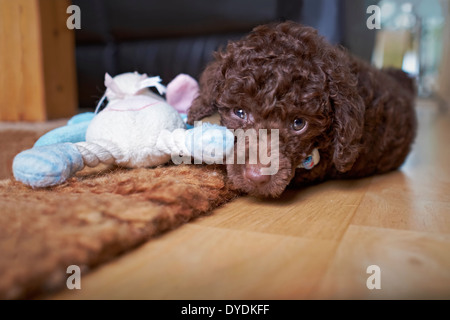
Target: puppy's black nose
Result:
[[252, 172]]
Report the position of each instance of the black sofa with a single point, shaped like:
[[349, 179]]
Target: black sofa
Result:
[[169, 37]]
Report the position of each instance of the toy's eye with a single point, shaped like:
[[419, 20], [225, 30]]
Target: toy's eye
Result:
[[240, 113], [299, 124]]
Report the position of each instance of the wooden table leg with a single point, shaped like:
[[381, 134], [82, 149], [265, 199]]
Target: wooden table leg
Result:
[[37, 61]]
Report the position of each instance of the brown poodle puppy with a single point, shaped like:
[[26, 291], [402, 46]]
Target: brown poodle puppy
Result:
[[285, 76]]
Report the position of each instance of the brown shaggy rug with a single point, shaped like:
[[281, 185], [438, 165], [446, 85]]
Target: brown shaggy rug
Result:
[[93, 218]]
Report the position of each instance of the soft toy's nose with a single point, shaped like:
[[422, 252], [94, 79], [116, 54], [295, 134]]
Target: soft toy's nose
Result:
[[252, 172]]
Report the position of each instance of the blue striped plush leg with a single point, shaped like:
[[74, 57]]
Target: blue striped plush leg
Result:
[[47, 165]]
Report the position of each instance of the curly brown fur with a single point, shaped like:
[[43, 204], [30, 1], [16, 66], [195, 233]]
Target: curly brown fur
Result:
[[361, 119]]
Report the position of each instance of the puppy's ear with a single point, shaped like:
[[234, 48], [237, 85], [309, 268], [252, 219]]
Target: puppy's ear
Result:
[[204, 105], [348, 107]]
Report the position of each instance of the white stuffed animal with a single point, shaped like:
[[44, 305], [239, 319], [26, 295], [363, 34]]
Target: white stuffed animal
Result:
[[133, 123], [137, 128]]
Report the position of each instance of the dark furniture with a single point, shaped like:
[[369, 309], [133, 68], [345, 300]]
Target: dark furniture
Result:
[[169, 37]]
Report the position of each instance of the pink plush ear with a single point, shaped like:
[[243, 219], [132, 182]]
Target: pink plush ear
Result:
[[181, 91]]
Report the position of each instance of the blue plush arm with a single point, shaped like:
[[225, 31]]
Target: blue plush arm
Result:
[[54, 157], [74, 131], [47, 165]]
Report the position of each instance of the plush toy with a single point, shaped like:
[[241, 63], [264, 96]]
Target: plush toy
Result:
[[137, 128]]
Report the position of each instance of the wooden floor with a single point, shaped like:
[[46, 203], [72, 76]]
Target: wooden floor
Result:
[[311, 244]]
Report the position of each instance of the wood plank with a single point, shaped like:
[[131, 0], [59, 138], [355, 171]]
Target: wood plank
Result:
[[413, 265], [391, 202], [318, 212], [417, 197], [196, 262]]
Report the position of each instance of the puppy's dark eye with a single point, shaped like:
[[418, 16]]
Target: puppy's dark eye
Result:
[[298, 124], [240, 113]]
